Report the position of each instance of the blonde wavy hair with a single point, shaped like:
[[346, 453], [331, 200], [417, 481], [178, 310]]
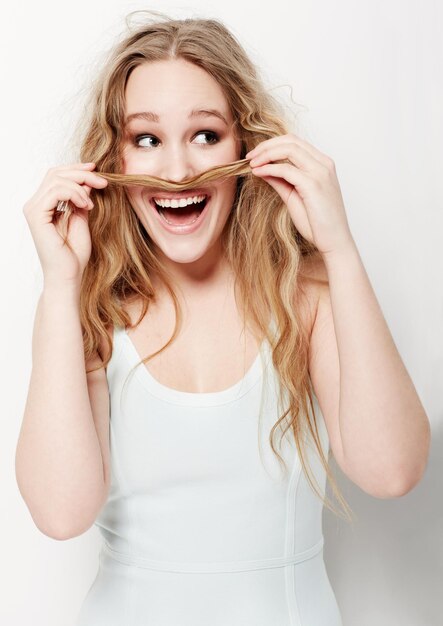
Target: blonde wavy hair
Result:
[[269, 257]]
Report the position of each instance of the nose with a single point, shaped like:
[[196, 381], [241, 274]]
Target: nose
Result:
[[176, 165]]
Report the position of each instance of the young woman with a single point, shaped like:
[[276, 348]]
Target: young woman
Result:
[[177, 331]]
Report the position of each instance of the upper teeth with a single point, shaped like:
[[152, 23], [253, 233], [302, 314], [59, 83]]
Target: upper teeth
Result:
[[178, 203]]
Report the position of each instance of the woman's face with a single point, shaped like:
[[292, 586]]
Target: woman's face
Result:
[[167, 137]]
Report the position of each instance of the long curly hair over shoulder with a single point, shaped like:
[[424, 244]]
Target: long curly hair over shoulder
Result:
[[271, 261]]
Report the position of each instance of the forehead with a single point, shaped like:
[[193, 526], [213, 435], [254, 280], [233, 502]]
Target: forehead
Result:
[[176, 86]]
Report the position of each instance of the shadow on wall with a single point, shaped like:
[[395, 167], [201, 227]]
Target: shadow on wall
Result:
[[387, 569]]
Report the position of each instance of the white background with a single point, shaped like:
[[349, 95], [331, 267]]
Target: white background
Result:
[[366, 80]]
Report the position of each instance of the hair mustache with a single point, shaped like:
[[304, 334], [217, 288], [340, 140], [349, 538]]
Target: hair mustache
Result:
[[218, 172]]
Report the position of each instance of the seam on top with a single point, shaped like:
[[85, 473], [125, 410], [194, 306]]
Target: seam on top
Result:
[[203, 567], [290, 542]]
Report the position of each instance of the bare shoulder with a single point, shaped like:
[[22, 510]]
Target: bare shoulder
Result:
[[313, 272], [98, 357], [315, 286]]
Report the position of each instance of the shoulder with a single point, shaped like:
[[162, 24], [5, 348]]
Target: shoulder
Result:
[[132, 307], [314, 286], [103, 342], [98, 358], [313, 271]]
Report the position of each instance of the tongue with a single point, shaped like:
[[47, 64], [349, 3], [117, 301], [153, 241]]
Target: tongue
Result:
[[181, 216]]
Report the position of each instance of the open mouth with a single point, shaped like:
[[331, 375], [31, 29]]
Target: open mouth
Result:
[[180, 216]]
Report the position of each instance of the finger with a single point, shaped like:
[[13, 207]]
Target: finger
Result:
[[281, 186], [81, 177], [80, 196], [57, 192], [290, 138], [320, 156], [296, 154], [70, 166], [283, 170]]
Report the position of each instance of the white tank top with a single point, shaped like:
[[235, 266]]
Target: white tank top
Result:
[[202, 527]]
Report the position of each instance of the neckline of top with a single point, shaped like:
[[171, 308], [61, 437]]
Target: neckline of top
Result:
[[188, 398]]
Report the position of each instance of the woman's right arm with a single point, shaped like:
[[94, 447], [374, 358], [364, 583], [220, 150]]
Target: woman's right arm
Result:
[[62, 456], [59, 463]]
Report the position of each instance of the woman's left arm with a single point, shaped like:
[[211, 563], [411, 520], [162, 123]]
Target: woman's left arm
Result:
[[379, 432], [384, 433]]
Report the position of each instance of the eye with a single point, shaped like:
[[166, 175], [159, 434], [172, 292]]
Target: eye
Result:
[[140, 137], [212, 134]]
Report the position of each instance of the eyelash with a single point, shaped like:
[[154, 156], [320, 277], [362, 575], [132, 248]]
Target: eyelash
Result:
[[136, 138]]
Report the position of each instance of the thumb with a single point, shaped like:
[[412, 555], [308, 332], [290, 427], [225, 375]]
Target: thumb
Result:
[[282, 187]]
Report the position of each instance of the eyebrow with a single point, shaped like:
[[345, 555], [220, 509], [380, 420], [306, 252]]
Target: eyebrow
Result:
[[149, 116]]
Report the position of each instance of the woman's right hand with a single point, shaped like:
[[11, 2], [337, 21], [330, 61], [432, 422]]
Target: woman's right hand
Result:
[[70, 182]]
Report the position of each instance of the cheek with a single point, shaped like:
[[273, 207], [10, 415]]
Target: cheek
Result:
[[226, 194], [129, 164], [131, 161], [233, 151], [226, 152]]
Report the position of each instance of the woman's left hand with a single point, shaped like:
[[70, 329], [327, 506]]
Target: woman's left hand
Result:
[[308, 186]]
